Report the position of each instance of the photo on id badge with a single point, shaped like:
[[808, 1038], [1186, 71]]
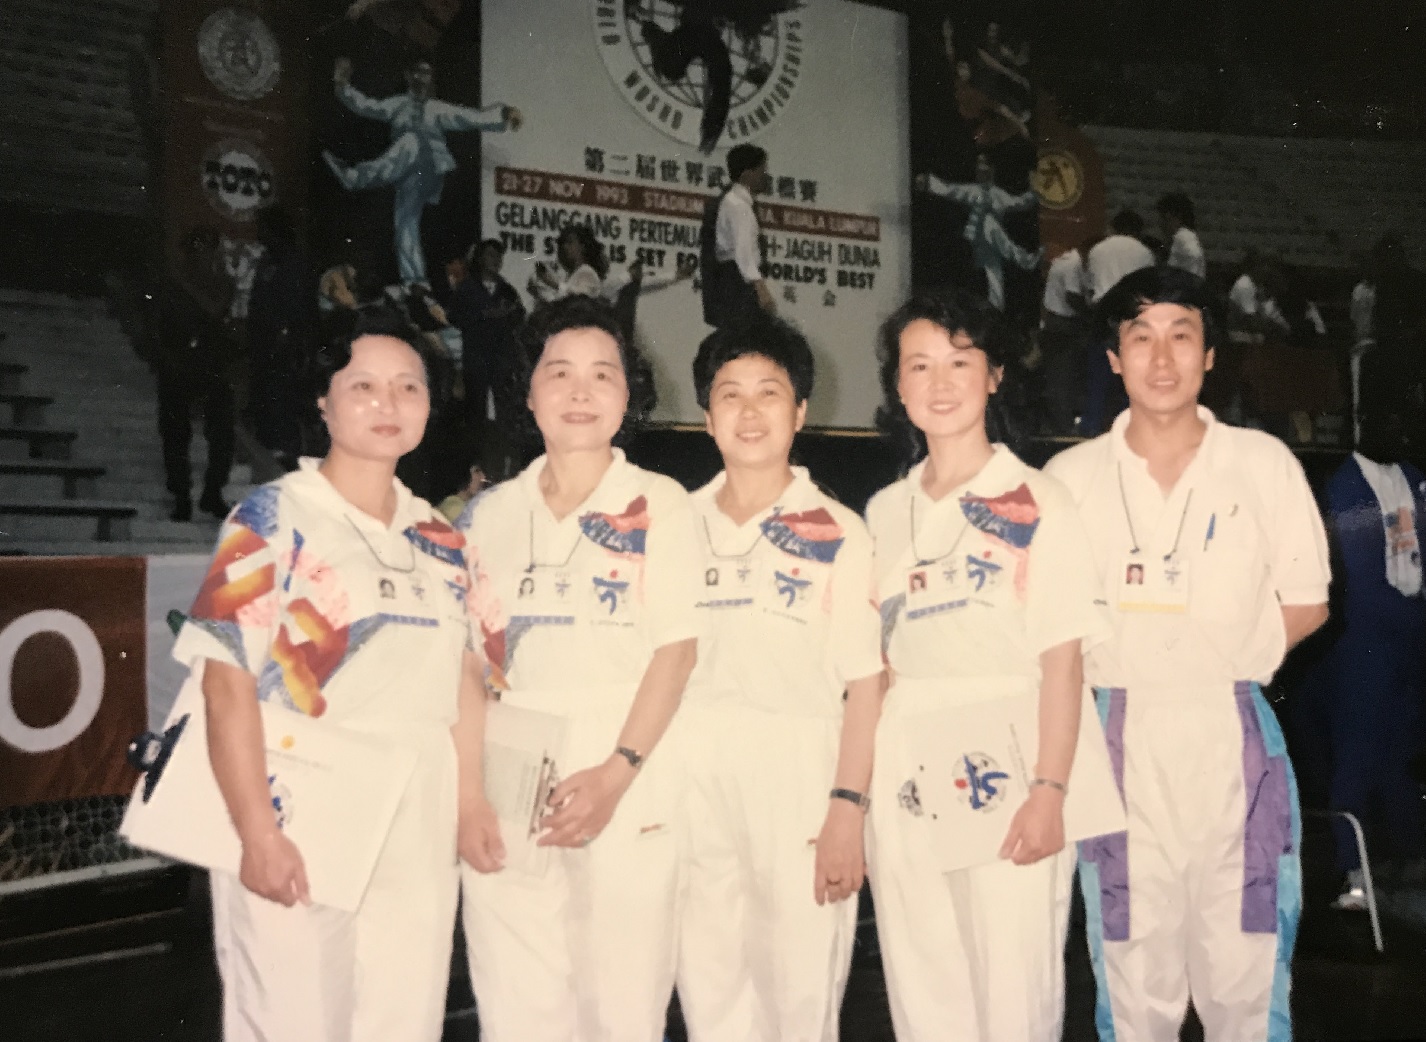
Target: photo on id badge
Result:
[[1153, 583]]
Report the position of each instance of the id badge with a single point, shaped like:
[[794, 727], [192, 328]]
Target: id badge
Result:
[[411, 596], [1153, 584], [936, 587], [728, 584]]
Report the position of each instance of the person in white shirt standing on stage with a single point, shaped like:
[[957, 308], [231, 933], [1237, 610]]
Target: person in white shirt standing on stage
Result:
[[1200, 899], [986, 590], [734, 289], [337, 593], [583, 585], [1063, 329], [780, 771], [1180, 226]]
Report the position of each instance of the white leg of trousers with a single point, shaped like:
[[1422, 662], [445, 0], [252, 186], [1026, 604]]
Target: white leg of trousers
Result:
[[715, 988], [769, 776], [317, 974], [1183, 787], [586, 953], [974, 955]]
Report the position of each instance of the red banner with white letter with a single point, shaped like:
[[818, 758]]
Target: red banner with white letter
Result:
[[72, 676]]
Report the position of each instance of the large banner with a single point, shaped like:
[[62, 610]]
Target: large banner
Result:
[[234, 121], [617, 98], [85, 667]]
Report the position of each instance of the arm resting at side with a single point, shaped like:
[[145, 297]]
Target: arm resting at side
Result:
[[479, 836], [841, 860], [1301, 621], [586, 800], [1038, 828], [271, 865]]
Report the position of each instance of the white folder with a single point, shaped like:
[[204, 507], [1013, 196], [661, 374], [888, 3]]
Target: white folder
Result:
[[335, 793], [523, 749], [973, 763]]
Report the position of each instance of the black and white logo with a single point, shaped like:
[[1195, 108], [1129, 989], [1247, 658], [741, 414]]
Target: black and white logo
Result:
[[239, 54], [709, 75], [238, 179]]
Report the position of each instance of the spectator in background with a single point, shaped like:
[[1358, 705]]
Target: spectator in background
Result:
[[1363, 334], [487, 311], [1289, 377], [1064, 334], [280, 328], [988, 203], [734, 289], [1176, 218], [1374, 673], [581, 271], [1108, 261], [195, 366]]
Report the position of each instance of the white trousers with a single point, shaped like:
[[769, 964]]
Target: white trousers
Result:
[[584, 953], [1202, 897], [974, 955], [759, 960], [379, 974]]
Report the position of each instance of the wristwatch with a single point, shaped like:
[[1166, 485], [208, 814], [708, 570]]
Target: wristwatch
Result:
[[636, 760], [851, 796]]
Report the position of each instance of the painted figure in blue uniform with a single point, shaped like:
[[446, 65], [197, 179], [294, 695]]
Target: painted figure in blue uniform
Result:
[[418, 160], [1376, 668], [990, 246]]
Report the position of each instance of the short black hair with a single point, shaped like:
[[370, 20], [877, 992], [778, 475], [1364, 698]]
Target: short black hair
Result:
[[765, 336], [1179, 205], [1158, 284], [742, 158], [336, 354], [1128, 222], [955, 311], [498, 245], [580, 312]]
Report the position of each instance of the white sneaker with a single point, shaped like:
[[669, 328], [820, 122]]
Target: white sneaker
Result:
[[1353, 897]]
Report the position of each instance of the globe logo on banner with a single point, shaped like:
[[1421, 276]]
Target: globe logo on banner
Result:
[[239, 54], [709, 75], [238, 179], [1058, 179]]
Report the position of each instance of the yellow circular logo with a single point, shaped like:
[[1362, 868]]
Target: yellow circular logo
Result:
[[1058, 179], [288, 741]]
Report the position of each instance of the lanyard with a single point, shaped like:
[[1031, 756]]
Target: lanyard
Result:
[[921, 559], [1129, 518], [708, 536], [530, 568], [372, 550]]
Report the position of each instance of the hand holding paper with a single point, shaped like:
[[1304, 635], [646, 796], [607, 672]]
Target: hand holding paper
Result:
[[479, 838], [272, 867], [585, 802], [1038, 828]]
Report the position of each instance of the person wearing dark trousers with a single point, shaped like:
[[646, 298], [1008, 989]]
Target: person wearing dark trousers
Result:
[[1376, 669], [734, 289], [281, 323], [487, 311], [194, 367]]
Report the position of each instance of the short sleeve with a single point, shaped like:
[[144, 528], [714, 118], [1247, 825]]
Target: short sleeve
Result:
[[1299, 564], [1064, 600], [235, 616], [583, 281], [855, 635], [671, 573]]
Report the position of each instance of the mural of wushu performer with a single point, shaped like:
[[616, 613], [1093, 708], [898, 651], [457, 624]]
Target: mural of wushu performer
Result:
[[419, 159]]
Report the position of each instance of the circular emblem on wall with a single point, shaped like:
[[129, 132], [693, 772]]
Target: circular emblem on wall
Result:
[[1058, 179], [238, 179], [239, 54], [703, 79]]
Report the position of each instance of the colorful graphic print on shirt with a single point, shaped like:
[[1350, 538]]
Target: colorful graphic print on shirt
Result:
[[239, 594], [1009, 520]]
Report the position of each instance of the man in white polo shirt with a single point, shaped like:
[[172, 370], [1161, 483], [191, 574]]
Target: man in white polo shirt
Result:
[[1215, 564]]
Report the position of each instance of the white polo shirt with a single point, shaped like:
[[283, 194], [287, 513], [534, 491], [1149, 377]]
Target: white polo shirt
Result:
[[584, 600], [736, 233], [1065, 277], [1241, 533], [333, 613], [1112, 259], [786, 603], [998, 571], [1186, 252]]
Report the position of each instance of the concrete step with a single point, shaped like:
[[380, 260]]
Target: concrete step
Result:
[[108, 520], [88, 548], [20, 479]]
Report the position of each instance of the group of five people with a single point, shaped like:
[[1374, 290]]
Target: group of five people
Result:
[[744, 672]]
